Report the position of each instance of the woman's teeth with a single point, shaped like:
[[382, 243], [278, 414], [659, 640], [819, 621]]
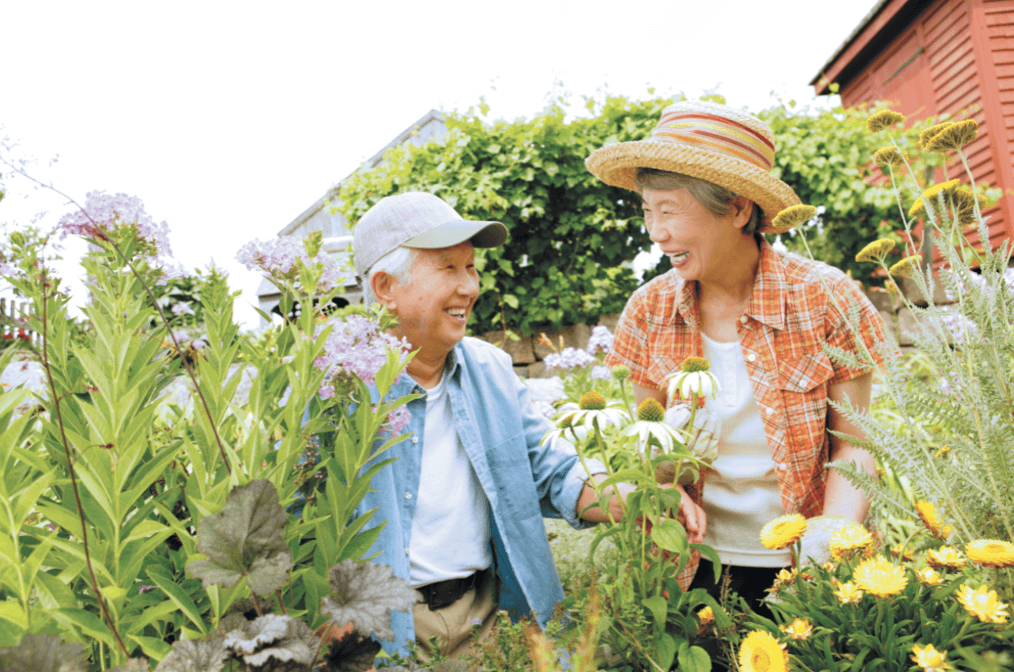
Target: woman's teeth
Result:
[[456, 312], [679, 256]]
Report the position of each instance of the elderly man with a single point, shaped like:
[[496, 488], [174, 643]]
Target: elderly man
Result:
[[465, 500]]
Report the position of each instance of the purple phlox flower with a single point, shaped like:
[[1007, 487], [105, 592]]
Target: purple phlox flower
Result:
[[181, 309], [198, 343], [568, 358], [7, 269], [958, 327], [105, 211], [397, 420], [326, 391], [600, 372], [601, 338], [476, 621], [356, 346], [278, 256], [181, 336], [945, 386]]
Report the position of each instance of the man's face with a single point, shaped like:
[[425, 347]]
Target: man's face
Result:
[[432, 310]]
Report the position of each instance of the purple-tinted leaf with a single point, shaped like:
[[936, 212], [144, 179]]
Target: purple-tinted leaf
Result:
[[364, 594], [351, 653], [43, 653], [196, 656], [245, 539], [272, 638]]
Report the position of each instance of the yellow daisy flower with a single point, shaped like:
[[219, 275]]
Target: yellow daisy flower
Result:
[[761, 652], [848, 593], [876, 251], [904, 553], [880, 577], [943, 450], [983, 604], [793, 216], [785, 575], [929, 576], [933, 521], [800, 629], [929, 659], [889, 156], [954, 136], [945, 557], [883, 119], [707, 617], [991, 552], [849, 538], [783, 531], [906, 266], [929, 133]]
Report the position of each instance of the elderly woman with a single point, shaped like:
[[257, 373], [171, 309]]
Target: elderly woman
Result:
[[762, 318]]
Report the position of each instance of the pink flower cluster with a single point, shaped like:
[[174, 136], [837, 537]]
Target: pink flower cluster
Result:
[[278, 257], [102, 212], [355, 346]]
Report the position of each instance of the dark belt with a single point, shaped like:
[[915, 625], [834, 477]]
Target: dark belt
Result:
[[445, 593]]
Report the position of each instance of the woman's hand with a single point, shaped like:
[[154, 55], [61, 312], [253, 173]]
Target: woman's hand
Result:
[[690, 515]]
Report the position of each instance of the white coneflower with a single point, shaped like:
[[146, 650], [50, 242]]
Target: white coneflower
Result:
[[651, 424], [693, 378]]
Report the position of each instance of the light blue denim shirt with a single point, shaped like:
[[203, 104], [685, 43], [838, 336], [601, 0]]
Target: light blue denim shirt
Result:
[[523, 481]]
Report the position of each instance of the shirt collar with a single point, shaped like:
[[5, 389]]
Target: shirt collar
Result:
[[767, 302]]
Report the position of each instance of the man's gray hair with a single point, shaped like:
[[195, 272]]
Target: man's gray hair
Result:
[[397, 262], [715, 198]]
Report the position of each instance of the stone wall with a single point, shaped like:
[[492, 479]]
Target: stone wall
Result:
[[898, 319], [528, 352]]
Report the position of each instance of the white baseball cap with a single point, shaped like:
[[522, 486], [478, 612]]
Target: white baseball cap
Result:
[[416, 219]]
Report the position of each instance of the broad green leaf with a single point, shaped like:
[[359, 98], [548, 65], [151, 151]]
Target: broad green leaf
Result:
[[657, 605], [670, 536], [178, 596], [693, 659], [12, 612], [87, 622], [665, 646], [363, 595]]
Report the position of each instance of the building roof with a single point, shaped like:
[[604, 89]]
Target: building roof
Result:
[[881, 25]]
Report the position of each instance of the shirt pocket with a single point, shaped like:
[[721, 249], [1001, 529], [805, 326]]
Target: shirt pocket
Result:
[[511, 473], [804, 382]]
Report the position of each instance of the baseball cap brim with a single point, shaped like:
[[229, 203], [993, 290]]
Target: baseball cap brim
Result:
[[480, 234]]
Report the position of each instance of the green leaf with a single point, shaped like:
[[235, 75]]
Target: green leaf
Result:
[[657, 605], [693, 659], [665, 646], [364, 594], [179, 596], [245, 539], [87, 622], [670, 536]]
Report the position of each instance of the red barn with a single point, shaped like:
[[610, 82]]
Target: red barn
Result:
[[940, 56]]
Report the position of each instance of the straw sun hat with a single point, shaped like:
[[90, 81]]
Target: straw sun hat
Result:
[[705, 140]]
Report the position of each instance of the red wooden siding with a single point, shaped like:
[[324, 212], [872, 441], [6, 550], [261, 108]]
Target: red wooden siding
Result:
[[956, 57]]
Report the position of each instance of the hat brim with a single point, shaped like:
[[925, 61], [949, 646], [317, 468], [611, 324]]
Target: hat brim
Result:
[[617, 165], [480, 234]]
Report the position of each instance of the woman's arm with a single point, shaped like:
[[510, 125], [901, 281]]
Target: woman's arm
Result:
[[841, 498]]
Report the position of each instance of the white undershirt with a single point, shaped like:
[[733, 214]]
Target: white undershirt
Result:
[[450, 528], [741, 489]]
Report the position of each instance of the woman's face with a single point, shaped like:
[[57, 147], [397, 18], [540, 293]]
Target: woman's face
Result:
[[695, 240]]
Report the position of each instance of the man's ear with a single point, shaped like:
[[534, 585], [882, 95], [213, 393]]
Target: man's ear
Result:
[[383, 285], [741, 209]]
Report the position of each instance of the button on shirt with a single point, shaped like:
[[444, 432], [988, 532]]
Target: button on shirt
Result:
[[523, 482], [798, 305]]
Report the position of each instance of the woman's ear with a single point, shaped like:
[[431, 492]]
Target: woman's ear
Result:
[[741, 209], [383, 285]]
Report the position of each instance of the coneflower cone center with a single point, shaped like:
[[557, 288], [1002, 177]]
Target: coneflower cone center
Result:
[[592, 401], [694, 364], [651, 411]]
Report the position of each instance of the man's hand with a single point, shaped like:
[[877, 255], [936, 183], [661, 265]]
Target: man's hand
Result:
[[690, 515]]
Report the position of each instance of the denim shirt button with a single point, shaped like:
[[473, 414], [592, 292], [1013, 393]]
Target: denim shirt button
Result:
[[408, 495], [415, 439]]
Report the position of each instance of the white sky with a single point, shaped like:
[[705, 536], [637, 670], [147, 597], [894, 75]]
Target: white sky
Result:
[[229, 119]]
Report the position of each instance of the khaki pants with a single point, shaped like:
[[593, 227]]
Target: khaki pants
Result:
[[453, 625]]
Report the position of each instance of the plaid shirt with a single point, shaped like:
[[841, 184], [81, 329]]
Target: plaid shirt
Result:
[[797, 307]]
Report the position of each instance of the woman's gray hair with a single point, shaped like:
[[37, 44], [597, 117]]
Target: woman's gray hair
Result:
[[397, 262], [715, 198]]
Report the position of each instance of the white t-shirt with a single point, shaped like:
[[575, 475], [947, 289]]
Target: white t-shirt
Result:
[[450, 528], [741, 489]]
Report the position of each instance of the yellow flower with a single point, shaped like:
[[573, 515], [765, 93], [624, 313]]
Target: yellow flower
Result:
[[707, 617], [793, 216], [883, 119], [943, 450], [945, 557], [904, 554], [991, 552], [929, 659], [931, 132], [892, 288], [933, 521], [592, 401], [918, 208], [800, 629], [849, 538], [783, 531], [929, 576], [889, 156], [983, 605], [906, 266], [964, 206], [876, 251], [651, 411], [760, 652], [880, 577], [847, 593], [954, 136], [785, 575], [694, 364]]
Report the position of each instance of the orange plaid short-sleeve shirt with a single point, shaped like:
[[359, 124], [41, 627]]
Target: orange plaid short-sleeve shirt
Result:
[[797, 307]]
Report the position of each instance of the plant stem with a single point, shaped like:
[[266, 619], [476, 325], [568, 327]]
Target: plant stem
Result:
[[70, 467]]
